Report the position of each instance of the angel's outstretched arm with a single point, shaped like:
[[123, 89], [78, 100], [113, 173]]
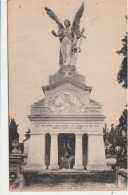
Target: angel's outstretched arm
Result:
[[56, 19], [59, 33]]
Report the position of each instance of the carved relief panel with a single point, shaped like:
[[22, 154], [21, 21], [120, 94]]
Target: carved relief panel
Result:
[[67, 101]]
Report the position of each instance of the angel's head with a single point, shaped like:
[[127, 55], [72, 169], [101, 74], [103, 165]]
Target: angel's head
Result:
[[67, 23]]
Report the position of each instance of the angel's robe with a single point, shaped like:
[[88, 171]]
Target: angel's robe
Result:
[[67, 56]]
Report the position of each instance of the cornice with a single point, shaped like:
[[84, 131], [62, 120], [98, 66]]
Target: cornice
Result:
[[67, 80]]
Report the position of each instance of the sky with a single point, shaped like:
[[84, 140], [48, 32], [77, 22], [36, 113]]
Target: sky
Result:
[[33, 53]]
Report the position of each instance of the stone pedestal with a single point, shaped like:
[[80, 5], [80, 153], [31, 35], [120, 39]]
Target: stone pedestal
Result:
[[121, 179], [36, 155], [54, 152], [78, 153], [66, 108], [96, 153]]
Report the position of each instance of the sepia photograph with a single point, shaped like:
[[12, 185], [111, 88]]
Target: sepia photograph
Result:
[[67, 95]]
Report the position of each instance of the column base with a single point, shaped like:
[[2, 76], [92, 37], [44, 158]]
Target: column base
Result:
[[78, 167], [53, 167], [34, 168], [97, 167]]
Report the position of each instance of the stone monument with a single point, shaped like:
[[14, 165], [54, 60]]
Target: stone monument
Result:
[[66, 117]]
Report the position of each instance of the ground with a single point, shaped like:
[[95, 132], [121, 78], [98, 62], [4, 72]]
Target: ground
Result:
[[70, 181]]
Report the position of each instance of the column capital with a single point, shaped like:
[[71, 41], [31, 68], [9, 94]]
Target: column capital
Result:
[[95, 134], [78, 134], [38, 133], [54, 134]]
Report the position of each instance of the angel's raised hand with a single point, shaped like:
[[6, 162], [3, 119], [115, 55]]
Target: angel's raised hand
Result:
[[53, 32], [83, 30]]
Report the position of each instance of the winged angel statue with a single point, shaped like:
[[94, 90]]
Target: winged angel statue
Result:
[[68, 37]]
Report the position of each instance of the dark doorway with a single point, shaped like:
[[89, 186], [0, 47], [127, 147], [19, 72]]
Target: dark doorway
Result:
[[47, 149], [66, 150], [85, 149]]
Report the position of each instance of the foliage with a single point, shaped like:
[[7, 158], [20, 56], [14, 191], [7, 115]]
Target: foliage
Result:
[[120, 149], [13, 134], [118, 138], [113, 135], [12, 176], [123, 118], [123, 51], [27, 134], [122, 74], [105, 132]]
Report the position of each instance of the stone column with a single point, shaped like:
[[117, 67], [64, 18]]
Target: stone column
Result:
[[96, 153], [78, 152], [36, 153], [54, 152]]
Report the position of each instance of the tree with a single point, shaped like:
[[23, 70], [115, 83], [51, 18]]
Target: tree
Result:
[[123, 118], [27, 134], [122, 74], [105, 132], [13, 134], [113, 135], [120, 146]]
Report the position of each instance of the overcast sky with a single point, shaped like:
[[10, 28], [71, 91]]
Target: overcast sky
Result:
[[34, 52]]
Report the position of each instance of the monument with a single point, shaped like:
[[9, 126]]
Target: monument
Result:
[[66, 126]]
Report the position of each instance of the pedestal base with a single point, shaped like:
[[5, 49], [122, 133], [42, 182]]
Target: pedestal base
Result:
[[34, 168], [53, 167], [78, 167], [96, 167]]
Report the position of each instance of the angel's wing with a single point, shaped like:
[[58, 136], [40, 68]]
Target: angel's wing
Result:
[[76, 21], [54, 17]]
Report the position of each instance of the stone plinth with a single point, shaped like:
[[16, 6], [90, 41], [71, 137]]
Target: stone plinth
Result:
[[96, 153], [36, 154], [122, 178]]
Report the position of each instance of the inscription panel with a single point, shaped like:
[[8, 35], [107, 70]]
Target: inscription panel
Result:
[[67, 128]]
